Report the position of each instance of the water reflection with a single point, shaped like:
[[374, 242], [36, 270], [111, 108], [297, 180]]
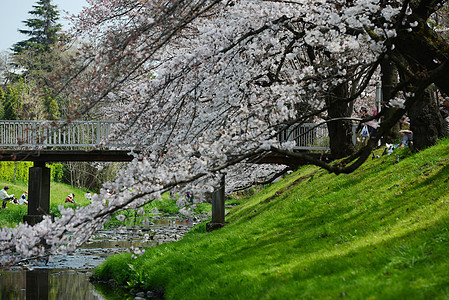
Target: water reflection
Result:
[[47, 284], [67, 276]]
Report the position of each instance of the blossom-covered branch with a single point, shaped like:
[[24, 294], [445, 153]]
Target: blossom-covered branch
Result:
[[202, 85]]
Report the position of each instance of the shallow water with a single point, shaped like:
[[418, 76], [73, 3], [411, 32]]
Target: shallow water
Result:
[[67, 276], [47, 284]]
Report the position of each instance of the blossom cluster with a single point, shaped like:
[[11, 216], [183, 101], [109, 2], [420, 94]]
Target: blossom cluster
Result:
[[199, 86]]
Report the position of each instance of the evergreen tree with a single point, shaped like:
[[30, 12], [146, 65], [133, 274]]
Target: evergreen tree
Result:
[[43, 29], [37, 57]]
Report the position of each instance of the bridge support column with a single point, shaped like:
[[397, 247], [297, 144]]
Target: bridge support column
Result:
[[37, 284], [38, 193], [218, 207]]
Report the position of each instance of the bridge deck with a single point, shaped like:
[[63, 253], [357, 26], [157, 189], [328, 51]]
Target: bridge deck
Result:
[[65, 155], [90, 134], [55, 133]]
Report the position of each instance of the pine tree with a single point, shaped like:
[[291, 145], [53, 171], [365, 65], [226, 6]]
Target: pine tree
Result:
[[43, 29], [36, 58]]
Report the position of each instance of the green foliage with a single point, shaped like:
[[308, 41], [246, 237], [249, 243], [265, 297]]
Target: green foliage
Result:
[[167, 206], [57, 171], [14, 171], [18, 171], [203, 208], [199, 228], [43, 29], [38, 56], [2, 101], [378, 233], [13, 215], [51, 106], [11, 103], [117, 267], [22, 101]]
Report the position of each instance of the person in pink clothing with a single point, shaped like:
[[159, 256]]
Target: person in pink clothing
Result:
[[70, 198]]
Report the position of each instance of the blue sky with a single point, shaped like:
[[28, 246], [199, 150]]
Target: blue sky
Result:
[[13, 12]]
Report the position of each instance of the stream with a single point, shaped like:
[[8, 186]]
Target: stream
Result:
[[67, 276]]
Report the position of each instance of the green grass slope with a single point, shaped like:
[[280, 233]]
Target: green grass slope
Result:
[[379, 233], [13, 215]]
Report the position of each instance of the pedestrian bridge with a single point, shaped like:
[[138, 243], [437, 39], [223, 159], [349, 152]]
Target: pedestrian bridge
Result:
[[45, 134], [94, 134], [310, 136], [55, 141]]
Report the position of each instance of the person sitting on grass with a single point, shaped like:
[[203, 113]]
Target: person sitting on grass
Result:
[[407, 138], [23, 199], [5, 197], [70, 198]]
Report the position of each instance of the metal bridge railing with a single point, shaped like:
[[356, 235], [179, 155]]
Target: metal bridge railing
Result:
[[310, 136], [54, 133]]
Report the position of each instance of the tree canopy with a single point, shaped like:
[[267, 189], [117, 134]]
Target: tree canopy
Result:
[[43, 29], [34, 61], [203, 85]]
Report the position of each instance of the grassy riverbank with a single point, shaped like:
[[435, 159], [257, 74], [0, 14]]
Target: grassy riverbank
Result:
[[380, 233], [13, 215]]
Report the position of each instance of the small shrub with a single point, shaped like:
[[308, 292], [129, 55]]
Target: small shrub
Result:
[[117, 268]]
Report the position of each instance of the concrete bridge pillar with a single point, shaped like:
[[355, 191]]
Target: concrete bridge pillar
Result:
[[38, 193], [37, 284], [218, 207]]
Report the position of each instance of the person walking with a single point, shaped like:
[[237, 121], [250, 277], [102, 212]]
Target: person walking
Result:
[[5, 197], [367, 129]]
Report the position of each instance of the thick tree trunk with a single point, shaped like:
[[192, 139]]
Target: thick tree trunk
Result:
[[340, 131], [423, 52], [425, 120], [390, 79]]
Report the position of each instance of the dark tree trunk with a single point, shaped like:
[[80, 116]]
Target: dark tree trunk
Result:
[[425, 120], [423, 52], [390, 77], [340, 131]]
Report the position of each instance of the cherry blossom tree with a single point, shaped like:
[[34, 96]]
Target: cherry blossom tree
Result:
[[202, 86]]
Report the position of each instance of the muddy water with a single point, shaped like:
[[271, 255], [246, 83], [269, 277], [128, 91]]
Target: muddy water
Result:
[[67, 276]]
